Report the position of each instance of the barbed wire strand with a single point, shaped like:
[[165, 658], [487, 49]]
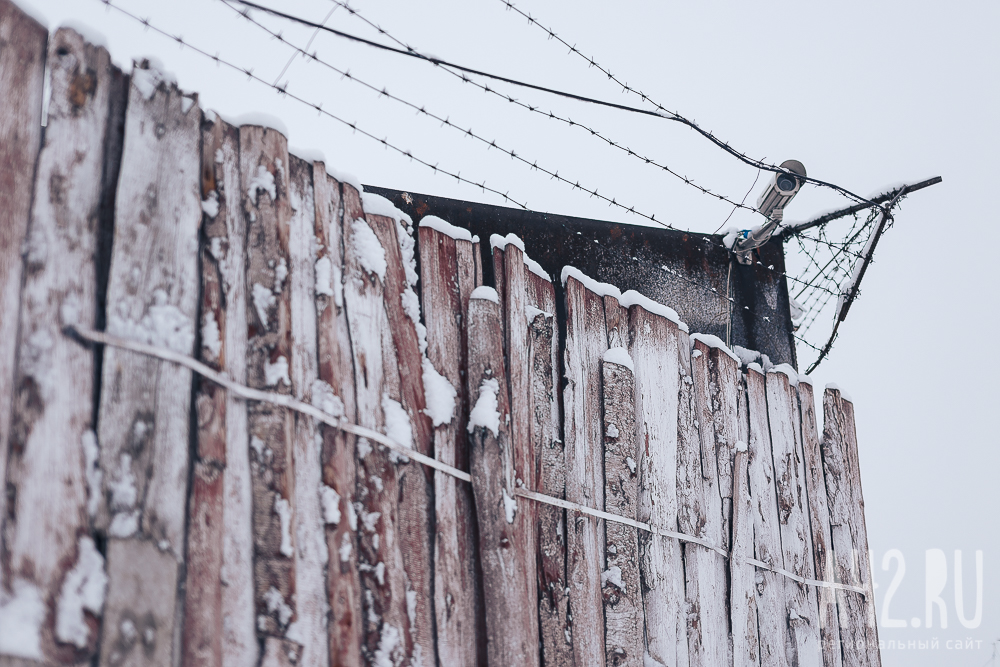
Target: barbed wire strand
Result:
[[677, 117], [660, 113]]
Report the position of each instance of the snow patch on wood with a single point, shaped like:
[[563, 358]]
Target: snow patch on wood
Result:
[[368, 250], [397, 423], [446, 228], [620, 356], [439, 394], [331, 505], [21, 617], [487, 293], [485, 414], [713, 341], [284, 511], [82, 590]]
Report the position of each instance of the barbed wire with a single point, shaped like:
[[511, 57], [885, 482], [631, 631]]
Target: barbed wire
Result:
[[249, 73], [677, 117], [447, 122], [550, 114]]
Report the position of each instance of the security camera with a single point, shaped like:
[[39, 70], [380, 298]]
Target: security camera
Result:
[[784, 185]]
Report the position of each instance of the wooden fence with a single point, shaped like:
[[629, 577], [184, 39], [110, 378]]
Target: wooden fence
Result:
[[607, 489]]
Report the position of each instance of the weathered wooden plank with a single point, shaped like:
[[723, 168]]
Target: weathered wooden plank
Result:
[[226, 244], [586, 342], [772, 626], [654, 349], [742, 600], [859, 526], [140, 605], [336, 370], [623, 616], [22, 70], [803, 644], [415, 502], [445, 305], [723, 381], [705, 571], [311, 555], [51, 478], [525, 455], [511, 634], [468, 255], [203, 612], [380, 563], [843, 486], [144, 421], [819, 522], [543, 363], [264, 187]]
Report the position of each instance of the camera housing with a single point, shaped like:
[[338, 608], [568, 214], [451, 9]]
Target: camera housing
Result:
[[783, 186]]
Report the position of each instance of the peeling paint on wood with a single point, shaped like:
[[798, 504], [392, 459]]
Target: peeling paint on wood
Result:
[[22, 70], [51, 437]]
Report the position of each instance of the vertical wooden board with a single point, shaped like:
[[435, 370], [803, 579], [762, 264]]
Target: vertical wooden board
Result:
[[311, 555], [415, 502], [803, 645], [384, 612], [742, 600], [336, 370], [511, 624], [654, 350], [616, 321], [525, 455], [586, 342], [724, 379], [772, 626], [853, 609], [226, 244], [859, 527], [708, 576], [51, 478], [203, 609], [445, 306], [624, 624], [139, 609], [819, 522], [699, 579], [144, 421], [264, 187], [22, 71], [544, 428]]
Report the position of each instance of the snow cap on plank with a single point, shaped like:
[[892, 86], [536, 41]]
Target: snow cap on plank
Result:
[[716, 342], [843, 394], [620, 356], [446, 228], [754, 366], [487, 293], [791, 373], [260, 119], [601, 289], [345, 177], [501, 242], [806, 379], [89, 34], [378, 205], [633, 298], [497, 241]]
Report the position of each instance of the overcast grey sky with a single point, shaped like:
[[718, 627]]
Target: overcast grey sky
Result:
[[867, 95]]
